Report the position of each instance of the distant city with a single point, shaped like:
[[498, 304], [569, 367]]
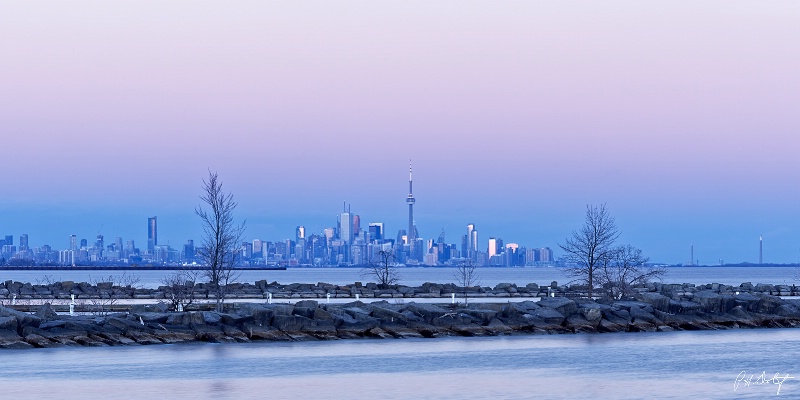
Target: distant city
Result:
[[346, 244]]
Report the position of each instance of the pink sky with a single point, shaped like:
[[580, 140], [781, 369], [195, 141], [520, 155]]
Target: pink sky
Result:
[[681, 116]]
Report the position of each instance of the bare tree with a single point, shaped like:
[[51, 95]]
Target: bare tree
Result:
[[625, 268], [591, 246], [179, 289], [466, 276], [383, 269], [221, 237], [110, 290]]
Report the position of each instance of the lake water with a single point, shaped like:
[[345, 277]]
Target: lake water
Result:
[[666, 365], [418, 276]]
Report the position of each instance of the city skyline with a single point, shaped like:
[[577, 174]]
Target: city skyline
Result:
[[346, 243], [517, 115]]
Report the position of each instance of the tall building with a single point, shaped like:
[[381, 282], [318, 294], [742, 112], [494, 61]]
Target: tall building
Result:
[[472, 242], [23, 242], [376, 231], [493, 247], [346, 227], [152, 234], [188, 250], [300, 232], [258, 246], [73, 242], [356, 224], [412, 230]]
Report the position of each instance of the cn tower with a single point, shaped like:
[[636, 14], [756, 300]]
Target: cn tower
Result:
[[412, 231]]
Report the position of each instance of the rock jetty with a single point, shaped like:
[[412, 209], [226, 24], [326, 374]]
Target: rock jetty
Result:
[[310, 320], [295, 291]]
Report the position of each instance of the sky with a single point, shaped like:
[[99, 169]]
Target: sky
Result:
[[682, 117]]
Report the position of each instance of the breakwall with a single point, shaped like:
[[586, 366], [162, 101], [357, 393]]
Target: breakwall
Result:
[[262, 289], [310, 320]]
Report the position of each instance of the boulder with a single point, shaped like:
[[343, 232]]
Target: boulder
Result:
[[290, 323], [257, 332], [481, 316], [401, 331], [549, 316], [638, 314], [8, 323], [23, 319], [766, 304], [563, 305], [39, 341], [46, 312], [210, 318], [591, 314], [708, 300], [658, 301], [469, 330], [427, 312], [786, 310], [495, 327]]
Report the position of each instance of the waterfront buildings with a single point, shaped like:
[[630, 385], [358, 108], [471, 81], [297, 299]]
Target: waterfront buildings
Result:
[[344, 244]]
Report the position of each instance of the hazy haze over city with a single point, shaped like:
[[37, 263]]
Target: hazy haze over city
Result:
[[682, 117]]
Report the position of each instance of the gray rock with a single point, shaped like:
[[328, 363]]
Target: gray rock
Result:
[[563, 305], [211, 318], [709, 301], [550, 316], [290, 323], [46, 312], [659, 302], [8, 323], [428, 312], [766, 304], [786, 310], [591, 314], [637, 314], [23, 319]]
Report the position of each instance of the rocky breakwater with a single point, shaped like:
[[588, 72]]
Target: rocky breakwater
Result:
[[61, 292], [309, 320]]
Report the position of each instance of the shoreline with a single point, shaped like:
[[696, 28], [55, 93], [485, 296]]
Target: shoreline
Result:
[[309, 320]]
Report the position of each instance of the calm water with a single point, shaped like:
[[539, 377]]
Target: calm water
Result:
[[418, 276], [674, 365]]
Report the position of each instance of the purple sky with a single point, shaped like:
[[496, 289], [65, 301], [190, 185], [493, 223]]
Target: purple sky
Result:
[[681, 116]]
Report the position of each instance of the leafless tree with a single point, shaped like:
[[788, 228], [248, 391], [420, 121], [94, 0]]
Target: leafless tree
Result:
[[383, 269], [179, 289], [625, 268], [466, 275], [591, 246], [110, 290], [221, 237]]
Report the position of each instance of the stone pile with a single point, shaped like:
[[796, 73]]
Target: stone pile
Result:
[[262, 290], [309, 320]]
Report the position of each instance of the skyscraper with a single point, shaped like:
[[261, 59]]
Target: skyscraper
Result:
[[152, 234], [73, 242], [472, 242], [23, 242], [493, 247], [376, 231], [346, 227], [356, 224], [412, 230]]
